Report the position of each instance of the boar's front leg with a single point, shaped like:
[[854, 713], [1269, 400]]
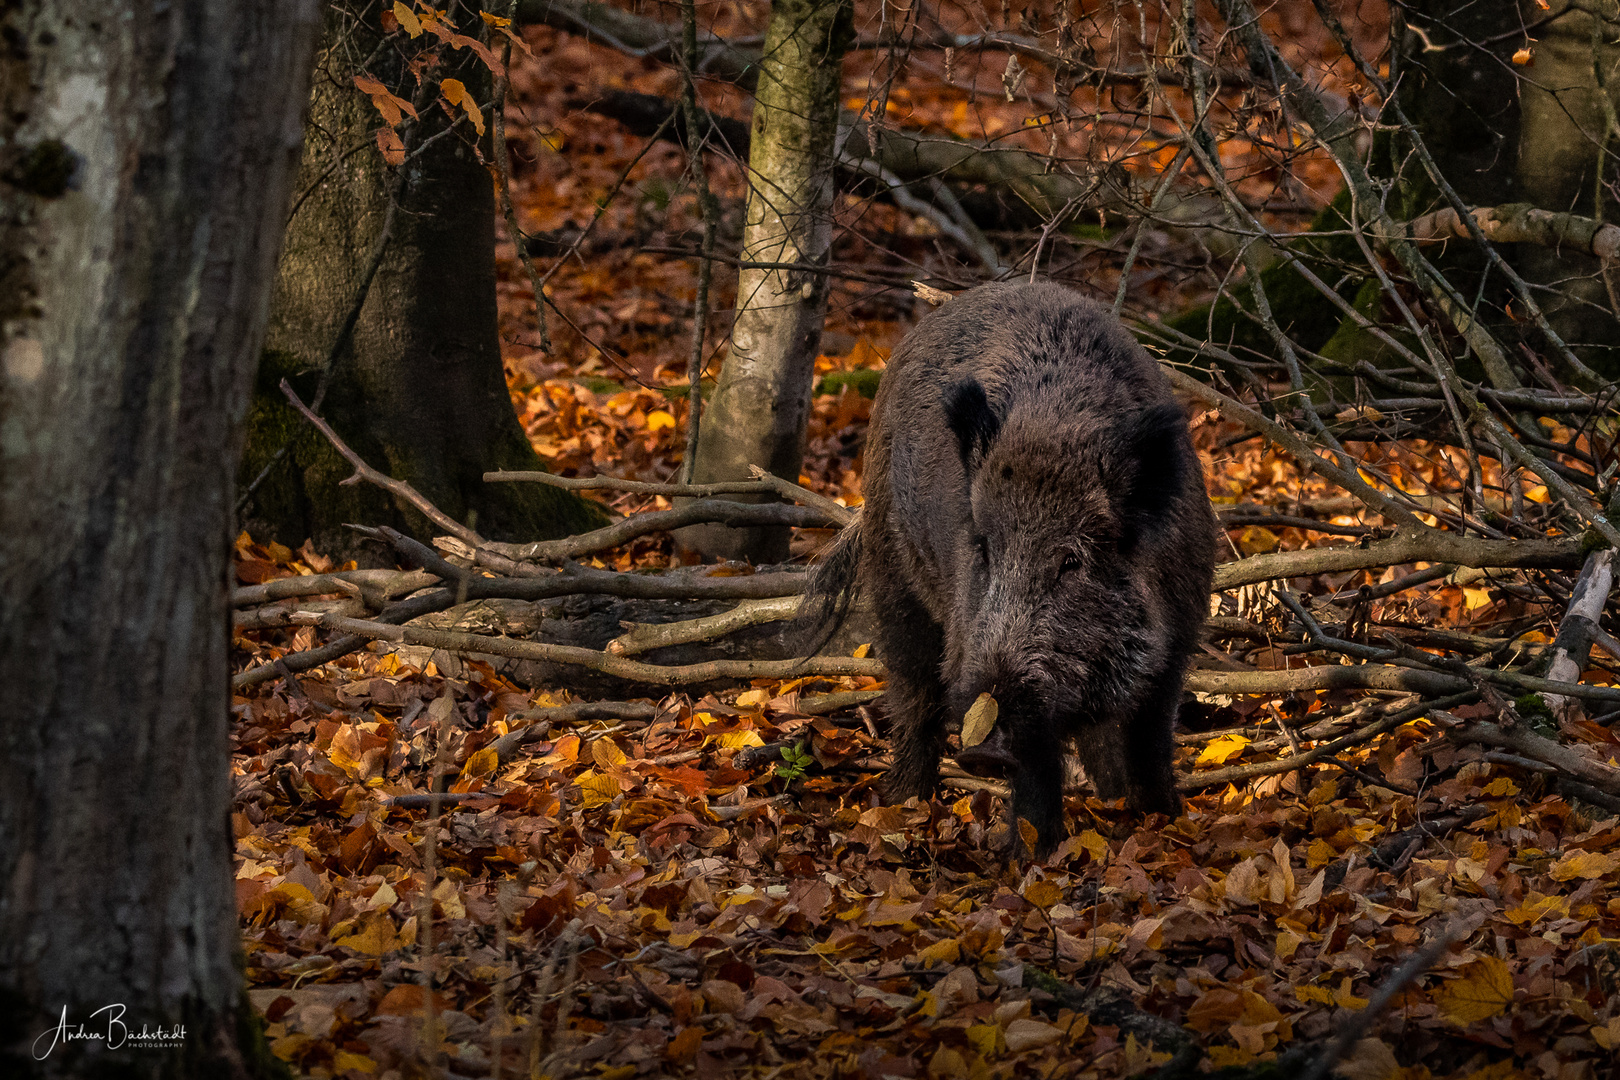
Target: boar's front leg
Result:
[[1037, 794], [1149, 749], [1132, 757]]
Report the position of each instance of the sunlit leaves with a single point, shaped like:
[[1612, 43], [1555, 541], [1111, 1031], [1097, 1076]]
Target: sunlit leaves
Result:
[[392, 107], [457, 95]]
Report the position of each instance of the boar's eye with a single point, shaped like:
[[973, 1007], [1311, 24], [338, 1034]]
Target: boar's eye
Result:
[[1071, 563], [981, 550]]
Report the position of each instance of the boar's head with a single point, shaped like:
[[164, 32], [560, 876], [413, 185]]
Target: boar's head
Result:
[[1056, 606]]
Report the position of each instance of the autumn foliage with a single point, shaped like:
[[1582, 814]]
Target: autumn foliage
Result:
[[709, 885]]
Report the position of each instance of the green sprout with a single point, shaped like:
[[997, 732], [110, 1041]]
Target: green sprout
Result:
[[796, 761]]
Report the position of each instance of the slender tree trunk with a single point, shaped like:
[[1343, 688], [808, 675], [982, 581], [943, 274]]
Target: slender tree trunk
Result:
[[1565, 163], [147, 151], [762, 405], [420, 391]]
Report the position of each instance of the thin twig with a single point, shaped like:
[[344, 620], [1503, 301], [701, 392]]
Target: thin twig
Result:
[[503, 178], [365, 472]]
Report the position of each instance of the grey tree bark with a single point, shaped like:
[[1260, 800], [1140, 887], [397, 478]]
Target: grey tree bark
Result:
[[419, 391], [146, 156], [762, 404]]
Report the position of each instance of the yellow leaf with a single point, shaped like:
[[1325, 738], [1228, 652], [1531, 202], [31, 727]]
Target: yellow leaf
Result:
[[985, 1038], [407, 18], [1523, 55], [607, 755], [494, 20], [376, 936], [980, 719], [1483, 989], [448, 898], [345, 1060], [1043, 894], [1287, 944], [659, 419], [736, 740], [1257, 540], [1584, 864], [1094, 844], [1223, 750], [596, 789], [941, 952], [752, 699], [863, 650], [481, 764]]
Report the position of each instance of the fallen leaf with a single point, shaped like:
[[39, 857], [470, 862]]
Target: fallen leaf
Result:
[[1482, 989]]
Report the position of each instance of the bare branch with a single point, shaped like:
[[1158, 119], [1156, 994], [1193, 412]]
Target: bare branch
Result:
[[459, 642], [365, 472]]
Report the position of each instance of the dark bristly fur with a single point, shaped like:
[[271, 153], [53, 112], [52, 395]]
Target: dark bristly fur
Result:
[[1035, 527]]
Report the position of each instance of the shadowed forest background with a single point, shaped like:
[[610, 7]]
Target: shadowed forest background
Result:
[[528, 778]]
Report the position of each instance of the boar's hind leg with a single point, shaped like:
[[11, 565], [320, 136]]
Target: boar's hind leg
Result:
[[1149, 749], [917, 729], [910, 643]]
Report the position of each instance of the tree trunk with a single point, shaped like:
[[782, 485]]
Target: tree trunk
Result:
[[419, 391], [147, 151], [1568, 103], [762, 404]]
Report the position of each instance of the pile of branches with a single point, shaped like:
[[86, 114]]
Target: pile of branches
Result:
[[1507, 689]]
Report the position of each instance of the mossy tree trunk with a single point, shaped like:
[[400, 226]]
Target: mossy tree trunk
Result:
[[1566, 163], [761, 408], [419, 391], [146, 158]]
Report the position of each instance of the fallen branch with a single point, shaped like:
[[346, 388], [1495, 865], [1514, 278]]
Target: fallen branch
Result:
[[541, 719], [403, 611], [1521, 223], [644, 637], [705, 511], [1358, 1023], [383, 583], [822, 704], [458, 642], [1574, 641], [279, 614], [1236, 774], [1567, 760], [545, 584], [1370, 676], [1562, 784], [1426, 545], [764, 483]]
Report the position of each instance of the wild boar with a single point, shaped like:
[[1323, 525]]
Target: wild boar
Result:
[[1035, 528]]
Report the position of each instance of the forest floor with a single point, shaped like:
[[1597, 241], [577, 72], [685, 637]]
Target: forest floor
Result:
[[647, 898]]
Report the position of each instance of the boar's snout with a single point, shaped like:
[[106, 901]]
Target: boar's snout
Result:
[[992, 757]]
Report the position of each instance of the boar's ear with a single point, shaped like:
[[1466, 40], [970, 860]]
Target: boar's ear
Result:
[[970, 416], [1156, 444]]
